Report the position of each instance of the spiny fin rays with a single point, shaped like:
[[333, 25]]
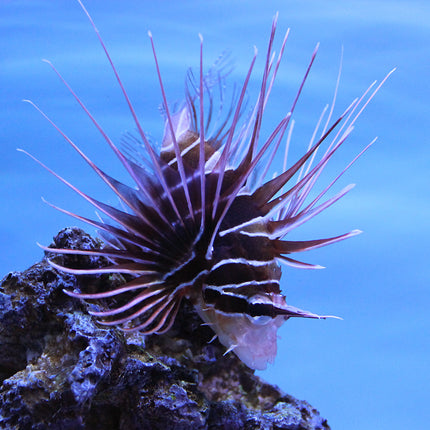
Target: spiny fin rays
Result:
[[156, 300], [249, 162], [161, 314], [132, 268], [293, 312], [150, 296], [139, 283], [125, 193], [104, 252], [175, 142], [110, 229], [129, 221], [127, 163], [288, 246], [165, 314], [279, 228], [222, 162], [140, 226], [264, 193], [298, 264], [202, 142]]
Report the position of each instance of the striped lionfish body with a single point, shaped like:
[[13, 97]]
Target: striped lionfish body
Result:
[[198, 225]]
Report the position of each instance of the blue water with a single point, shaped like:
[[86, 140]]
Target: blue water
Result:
[[370, 371]]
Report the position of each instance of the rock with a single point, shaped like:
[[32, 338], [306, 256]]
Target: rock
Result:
[[61, 370]]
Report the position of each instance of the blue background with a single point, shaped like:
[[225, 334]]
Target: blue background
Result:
[[370, 371]]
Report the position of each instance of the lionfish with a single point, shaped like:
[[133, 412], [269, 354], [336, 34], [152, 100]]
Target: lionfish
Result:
[[201, 221]]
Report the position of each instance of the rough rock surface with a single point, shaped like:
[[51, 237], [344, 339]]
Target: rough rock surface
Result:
[[61, 370]]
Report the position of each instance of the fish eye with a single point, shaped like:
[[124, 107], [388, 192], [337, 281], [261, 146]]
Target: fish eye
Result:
[[260, 319]]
